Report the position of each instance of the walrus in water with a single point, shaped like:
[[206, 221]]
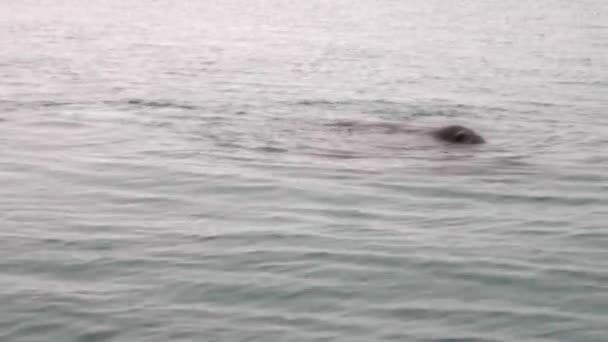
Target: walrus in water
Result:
[[454, 134], [458, 135]]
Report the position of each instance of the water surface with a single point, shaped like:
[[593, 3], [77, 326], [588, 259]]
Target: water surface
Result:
[[170, 172]]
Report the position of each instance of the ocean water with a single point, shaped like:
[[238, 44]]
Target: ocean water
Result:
[[172, 171]]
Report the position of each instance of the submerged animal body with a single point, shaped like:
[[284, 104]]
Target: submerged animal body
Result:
[[454, 134], [458, 135]]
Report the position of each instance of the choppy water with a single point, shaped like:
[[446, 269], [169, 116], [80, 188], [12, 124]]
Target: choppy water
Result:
[[170, 172]]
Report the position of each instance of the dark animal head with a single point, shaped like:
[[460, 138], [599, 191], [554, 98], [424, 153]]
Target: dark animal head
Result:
[[458, 135]]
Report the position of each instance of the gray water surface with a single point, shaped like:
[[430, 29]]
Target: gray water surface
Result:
[[171, 171]]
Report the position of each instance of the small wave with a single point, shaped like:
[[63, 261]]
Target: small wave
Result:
[[352, 102], [539, 104], [271, 149], [460, 339], [36, 104], [54, 104], [322, 103], [59, 122], [382, 108], [160, 104]]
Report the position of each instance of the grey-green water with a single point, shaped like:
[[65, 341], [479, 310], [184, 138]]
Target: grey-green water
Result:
[[170, 172]]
